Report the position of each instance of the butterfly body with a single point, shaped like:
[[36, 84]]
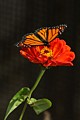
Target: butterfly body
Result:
[[42, 36]]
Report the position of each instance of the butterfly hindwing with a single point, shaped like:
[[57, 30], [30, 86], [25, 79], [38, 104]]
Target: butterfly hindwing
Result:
[[42, 32]]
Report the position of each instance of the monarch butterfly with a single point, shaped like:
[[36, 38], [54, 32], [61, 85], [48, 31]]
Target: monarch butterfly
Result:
[[42, 36]]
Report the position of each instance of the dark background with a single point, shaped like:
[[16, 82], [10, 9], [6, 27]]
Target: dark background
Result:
[[60, 84]]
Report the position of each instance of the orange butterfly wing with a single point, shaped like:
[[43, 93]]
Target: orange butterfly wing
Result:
[[29, 40], [50, 33], [41, 36]]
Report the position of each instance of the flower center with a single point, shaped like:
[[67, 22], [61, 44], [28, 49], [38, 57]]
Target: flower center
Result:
[[46, 52]]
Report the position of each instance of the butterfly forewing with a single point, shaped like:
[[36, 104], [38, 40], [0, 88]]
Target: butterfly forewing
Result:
[[29, 40], [55, 31]]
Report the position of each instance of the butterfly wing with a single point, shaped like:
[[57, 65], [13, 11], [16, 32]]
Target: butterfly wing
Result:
[[50, 33], [29, 40], [54, 32], [41, 36]]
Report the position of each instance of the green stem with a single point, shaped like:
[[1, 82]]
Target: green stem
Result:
[[23, 111], [31, 91], [37, 82]]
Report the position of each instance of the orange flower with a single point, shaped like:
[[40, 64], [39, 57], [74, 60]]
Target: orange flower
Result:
[[56, 54]]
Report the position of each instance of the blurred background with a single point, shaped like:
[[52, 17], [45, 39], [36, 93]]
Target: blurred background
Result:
[[60, 84]]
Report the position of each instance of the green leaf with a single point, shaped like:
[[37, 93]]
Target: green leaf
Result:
[[31, 101], [41, 105], [17, 99]]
